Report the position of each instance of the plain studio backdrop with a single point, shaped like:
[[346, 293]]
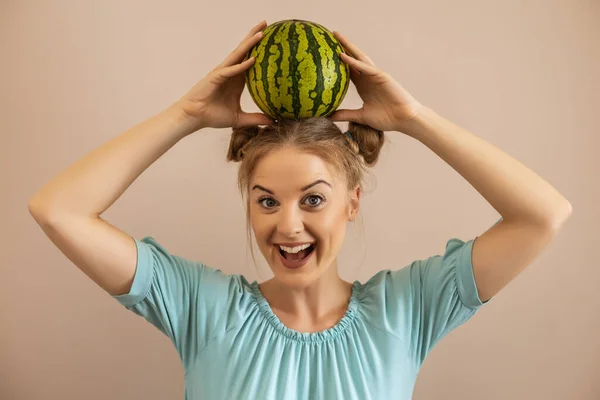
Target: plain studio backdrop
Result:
[[521, 74]]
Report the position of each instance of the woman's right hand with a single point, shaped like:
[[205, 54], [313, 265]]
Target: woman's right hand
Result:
[[215, 101]]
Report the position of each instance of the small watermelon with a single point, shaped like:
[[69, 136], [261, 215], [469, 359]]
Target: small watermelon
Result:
[[298, 72]]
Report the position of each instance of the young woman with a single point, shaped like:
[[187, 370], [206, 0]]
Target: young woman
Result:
[[305, 333]]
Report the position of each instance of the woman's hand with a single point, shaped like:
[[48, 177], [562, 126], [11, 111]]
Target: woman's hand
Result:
[[215, 101], [387, 105]]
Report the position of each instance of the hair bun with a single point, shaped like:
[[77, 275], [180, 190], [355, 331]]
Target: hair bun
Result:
[[239, 139], [368, 140]]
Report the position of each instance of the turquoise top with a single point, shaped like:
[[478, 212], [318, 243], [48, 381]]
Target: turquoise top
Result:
[[233, 346]]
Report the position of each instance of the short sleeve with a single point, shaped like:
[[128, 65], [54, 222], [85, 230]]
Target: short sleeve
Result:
[[435, 296], [180, 297]]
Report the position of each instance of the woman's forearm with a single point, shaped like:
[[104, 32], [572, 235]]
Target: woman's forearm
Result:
[[516, 192], [93, 183]]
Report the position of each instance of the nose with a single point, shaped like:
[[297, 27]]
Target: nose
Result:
[[290, 221]]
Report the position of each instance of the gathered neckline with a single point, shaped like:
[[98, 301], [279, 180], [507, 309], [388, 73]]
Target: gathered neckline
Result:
[[311, 337]]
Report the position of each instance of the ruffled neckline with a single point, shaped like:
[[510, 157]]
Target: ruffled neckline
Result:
[[311, 337]]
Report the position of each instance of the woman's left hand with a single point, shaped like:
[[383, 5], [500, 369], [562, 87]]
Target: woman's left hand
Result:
[[387, 105]]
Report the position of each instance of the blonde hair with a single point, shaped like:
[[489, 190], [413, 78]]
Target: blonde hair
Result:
[[350, 155]]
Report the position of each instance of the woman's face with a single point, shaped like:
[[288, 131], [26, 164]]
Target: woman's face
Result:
[[299, 200]]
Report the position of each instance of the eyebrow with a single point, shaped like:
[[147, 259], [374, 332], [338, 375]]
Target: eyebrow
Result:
[[302, 189]]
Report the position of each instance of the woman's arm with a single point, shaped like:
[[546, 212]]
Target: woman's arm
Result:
[[68, 208], [532, 210], [91, 185], [516, 192]]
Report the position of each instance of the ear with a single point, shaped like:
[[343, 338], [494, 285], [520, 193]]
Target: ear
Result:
[[354, 203]]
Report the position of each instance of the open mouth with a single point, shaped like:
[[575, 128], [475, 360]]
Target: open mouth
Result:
[[299, 256]]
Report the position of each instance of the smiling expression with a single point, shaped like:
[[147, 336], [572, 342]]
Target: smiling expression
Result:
[[297, 198]]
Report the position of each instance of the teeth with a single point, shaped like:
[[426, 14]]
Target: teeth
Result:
[[296, 249]]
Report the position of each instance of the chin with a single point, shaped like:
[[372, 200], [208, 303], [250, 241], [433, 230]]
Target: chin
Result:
[[299, 278]]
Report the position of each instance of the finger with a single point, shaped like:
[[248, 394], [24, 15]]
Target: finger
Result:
[[353, 49], [242, 50], [354, 75], [360, 66], [347, 115], [229, 72], [250, 119], [257, 28]]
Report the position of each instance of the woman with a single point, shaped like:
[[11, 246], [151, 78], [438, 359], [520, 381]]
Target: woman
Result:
[[305, 333]]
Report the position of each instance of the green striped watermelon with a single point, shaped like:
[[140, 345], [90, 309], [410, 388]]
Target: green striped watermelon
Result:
[[298, 72]]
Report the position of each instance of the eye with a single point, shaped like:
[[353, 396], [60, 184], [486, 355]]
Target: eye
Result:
[[267, 202], [314, 200]]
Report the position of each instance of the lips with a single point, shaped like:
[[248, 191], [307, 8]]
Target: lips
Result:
[[295, 264], [298, 255], [294, 244]]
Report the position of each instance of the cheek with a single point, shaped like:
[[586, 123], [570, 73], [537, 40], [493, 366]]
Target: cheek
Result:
[[330, 227], [260, 228]]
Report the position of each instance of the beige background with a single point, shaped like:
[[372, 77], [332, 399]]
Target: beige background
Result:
[[521, 74]]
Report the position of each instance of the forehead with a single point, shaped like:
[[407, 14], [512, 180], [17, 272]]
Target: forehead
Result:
[[291, 168]]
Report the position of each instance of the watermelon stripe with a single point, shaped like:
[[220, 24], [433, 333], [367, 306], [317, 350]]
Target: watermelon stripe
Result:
[[277, 67], [267, 66], [251, 84], [342, 71], [298, 72], [260, 71], [341, 77], [284, 83], [255, 74], [293, 71], [268, 41], [327, 72], [343, 68], [307, 72], [314, 46], [256, 82]]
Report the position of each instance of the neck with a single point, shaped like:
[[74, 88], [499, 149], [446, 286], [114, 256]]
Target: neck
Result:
[[325, 298]]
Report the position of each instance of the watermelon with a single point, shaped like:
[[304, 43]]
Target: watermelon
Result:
[[298, 72]]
